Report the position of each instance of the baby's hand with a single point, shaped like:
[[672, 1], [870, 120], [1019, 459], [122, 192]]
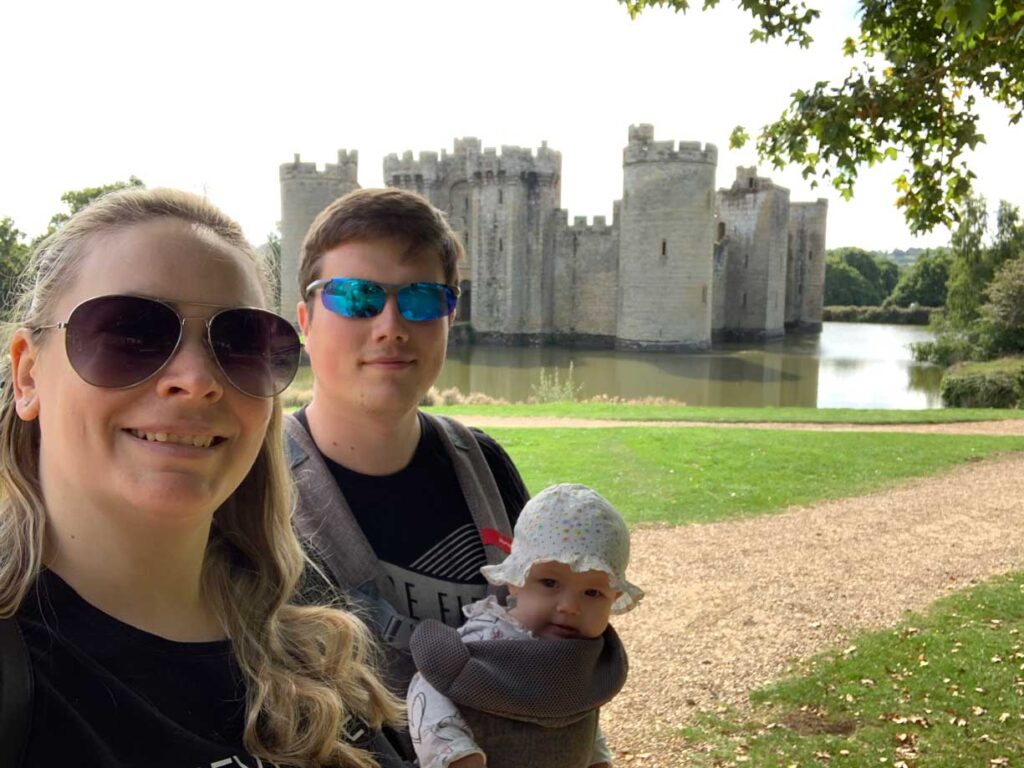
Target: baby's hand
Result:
[[475, 760]]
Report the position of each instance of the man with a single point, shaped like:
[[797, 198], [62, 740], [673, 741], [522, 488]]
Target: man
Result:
[[401, 508]]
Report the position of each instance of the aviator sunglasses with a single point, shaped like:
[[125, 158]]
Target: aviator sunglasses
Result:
[[120, 341], [352, 297]]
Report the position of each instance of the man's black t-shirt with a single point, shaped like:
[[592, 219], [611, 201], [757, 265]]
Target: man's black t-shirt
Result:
[[108, 695], [420, 527]]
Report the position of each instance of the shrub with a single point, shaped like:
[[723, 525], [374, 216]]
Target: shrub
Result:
[[552, 390], [995, 384], [913, 315]]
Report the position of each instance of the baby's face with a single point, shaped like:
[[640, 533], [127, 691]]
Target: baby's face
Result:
[[558, 603]]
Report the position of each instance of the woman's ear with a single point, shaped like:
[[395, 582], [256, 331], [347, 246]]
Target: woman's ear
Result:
[[24, 355]]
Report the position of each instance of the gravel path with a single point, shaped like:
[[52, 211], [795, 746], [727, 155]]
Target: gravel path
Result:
[[730, 605]]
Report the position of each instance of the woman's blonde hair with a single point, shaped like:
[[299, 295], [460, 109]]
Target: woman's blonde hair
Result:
[[309, 670]]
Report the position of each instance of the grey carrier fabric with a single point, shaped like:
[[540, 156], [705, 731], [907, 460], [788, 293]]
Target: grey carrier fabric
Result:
[[529, 703]]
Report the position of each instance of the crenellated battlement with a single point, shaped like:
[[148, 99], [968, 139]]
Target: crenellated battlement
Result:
[[642, 148], [748, 182], [345, 170], [581, 225], [469, 160]]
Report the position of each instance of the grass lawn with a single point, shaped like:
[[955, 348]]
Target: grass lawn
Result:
[[944, 689], [624, 411], [704, 474]]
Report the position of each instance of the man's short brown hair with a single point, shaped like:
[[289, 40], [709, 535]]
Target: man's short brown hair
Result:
[[370, 214]]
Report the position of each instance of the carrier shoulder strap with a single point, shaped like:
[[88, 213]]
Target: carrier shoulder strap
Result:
[[15, 693]]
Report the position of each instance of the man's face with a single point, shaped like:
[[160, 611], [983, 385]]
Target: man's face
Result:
[[381, 365]]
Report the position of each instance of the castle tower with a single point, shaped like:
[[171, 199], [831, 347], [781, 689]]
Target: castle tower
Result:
[[502, 205], [666, 243], [752, 233], [805, 267], [305, 192]]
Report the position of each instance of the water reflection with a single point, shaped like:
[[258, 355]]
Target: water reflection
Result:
[[848, 365]]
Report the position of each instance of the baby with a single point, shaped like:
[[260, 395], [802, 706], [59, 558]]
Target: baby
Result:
[[482, 695]]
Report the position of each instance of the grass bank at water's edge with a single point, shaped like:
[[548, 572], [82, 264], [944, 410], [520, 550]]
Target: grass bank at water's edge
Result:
[[638, 412], [705, 474], [943, 689]]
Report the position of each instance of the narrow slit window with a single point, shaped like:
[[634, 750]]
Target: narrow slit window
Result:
[[501, 196], [721, 230], [501, 245], [703, 294], [664, 247], [744, 300]]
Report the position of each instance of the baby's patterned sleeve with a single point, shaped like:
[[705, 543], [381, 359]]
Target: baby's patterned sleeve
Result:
[[600, 753], [439, 733]]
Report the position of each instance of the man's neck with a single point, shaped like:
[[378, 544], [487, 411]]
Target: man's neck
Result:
[[369, 443]]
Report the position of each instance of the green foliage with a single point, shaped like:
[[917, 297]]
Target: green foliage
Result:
[[923, 282], [552, 390], [888, 314], [13, 255], [942, 689], [995, 384], [985, 290], [776, 18], [918, 69], [701, 474], [77, 199], [855, 277], [971, 269]]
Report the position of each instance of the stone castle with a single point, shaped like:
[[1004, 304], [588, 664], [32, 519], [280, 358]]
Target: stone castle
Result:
[[679, 265]]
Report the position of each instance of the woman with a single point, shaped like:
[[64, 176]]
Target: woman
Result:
[[145, 542]]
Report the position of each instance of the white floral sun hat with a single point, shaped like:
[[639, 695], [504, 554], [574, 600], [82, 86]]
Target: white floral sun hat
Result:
[[574, 525]]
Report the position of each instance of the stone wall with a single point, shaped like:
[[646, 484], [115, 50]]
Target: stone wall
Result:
[[586, 280], [805, 268], [666, 243], [665, 274], [753, 223], [305, 191]]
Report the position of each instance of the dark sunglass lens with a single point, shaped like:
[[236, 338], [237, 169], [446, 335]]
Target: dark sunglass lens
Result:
[[118, 341], [354, 298], [257, 350], [426, 301]]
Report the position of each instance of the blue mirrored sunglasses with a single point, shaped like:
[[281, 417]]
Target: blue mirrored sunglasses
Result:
[[352, 297]]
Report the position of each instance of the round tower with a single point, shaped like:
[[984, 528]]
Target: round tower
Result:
[[666, 252], [305, 192]]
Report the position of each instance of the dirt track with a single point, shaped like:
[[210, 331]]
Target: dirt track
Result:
[[730, 605]]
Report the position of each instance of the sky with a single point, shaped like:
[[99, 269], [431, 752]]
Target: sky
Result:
[[213, 96]]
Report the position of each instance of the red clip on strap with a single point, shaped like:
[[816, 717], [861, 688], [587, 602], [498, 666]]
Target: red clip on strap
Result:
[[497, 539]]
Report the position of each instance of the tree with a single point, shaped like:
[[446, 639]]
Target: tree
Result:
[[924, 282], [77, 199], [846, 287], [918, 69], [1002, 316], [13, 255], [974, 263], [878, 276]]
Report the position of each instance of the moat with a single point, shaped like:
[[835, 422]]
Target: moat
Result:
[[849, 365]]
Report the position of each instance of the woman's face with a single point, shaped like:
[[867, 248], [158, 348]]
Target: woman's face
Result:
[[132, 452]]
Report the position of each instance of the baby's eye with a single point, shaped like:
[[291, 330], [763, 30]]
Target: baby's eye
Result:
[[594, 593], [549, 583]]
